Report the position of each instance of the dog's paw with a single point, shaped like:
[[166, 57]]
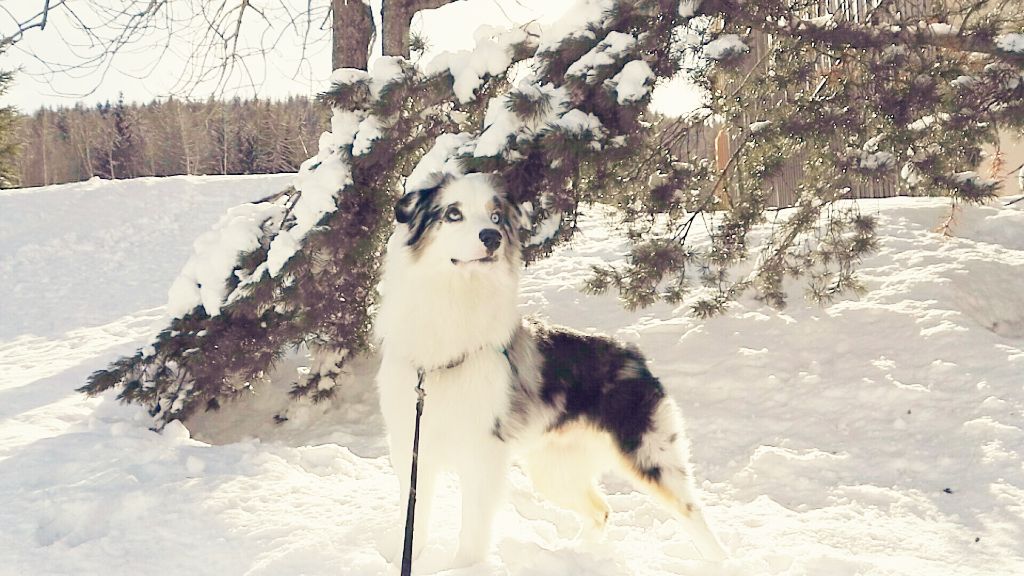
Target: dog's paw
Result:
[[467, 558], [591, 533], [392, 545]]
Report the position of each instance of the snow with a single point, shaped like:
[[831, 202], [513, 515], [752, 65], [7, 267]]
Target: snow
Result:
[[491, 56], [282, 248], [725, 46], [964, 81], [633, 82], [214, 254], [973, 178], [941, 29], [344, 128], [578, 121], [927, 121], [318, 182], [758, 126], [501, 125], [869, 157], [910, 174], [677, 97], [574, 23], [140, 252], [1011, 42], [369, 131], [881, 435], [386, 70], [688, 8], [876, 160], [440, 159], [609, 50], [824, 22], [545, 228], [347, 76], [323, 176]]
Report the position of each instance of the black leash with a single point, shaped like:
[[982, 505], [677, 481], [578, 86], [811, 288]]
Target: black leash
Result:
[[410, 512]]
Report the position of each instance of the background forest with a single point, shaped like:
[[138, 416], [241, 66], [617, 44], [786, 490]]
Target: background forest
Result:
[[164, 138]]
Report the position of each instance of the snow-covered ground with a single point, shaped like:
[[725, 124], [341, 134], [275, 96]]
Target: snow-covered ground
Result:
[[879, 435]]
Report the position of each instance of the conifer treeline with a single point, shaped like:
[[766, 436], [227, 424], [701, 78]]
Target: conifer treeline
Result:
[[164, 138]]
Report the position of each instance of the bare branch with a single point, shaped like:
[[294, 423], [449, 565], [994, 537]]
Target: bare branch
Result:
[[219, 41], [38, 21]]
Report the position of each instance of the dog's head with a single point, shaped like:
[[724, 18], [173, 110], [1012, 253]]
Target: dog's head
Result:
[[464, 222]]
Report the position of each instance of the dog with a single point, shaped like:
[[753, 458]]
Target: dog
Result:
[[569, 406]]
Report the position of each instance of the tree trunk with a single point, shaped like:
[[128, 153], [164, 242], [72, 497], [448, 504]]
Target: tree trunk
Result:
[[223, 140], [352, 33], [396, 16], [186, 141]]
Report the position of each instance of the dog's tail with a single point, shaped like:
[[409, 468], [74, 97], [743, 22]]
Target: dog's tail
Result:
[[660, 466]]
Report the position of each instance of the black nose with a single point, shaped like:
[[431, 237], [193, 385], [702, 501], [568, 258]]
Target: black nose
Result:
[[491, 239]]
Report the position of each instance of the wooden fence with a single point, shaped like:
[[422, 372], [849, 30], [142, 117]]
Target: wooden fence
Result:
[[700, 143]]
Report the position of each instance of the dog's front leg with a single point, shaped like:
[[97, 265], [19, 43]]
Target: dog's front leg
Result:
[[483, 480], [425, 481], [398, 405]]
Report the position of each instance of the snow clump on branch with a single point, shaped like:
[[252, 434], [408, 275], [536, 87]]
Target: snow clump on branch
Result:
[[519, 115], [577, 22], [633, 82], [1011, 42], [607, 52], [469, 68], [724, 47], [214, 254]]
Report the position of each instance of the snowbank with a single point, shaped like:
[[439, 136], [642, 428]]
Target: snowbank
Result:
[[881, 435], [87, 253]]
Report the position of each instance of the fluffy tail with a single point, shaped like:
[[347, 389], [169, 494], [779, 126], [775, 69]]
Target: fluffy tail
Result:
[[660, 467]]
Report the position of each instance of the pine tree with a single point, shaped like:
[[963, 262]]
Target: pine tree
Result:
[[850, 95], [124, 152], [220, 129], [107, 141], [9, 145]]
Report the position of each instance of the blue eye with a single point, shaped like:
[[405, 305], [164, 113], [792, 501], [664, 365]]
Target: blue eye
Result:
[[453, 214], [496, 217]]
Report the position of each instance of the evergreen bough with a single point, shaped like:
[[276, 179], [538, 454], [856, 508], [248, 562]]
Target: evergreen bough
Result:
[[852, 99]]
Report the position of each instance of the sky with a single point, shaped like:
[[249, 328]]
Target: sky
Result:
[[153, 67]]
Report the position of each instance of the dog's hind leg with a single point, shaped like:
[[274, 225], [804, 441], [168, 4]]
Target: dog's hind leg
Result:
[[564, 470], [659, 466]]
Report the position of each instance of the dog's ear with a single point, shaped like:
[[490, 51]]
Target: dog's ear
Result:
[[417, 200], [413, 203], [515, 210], [405, 207]]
